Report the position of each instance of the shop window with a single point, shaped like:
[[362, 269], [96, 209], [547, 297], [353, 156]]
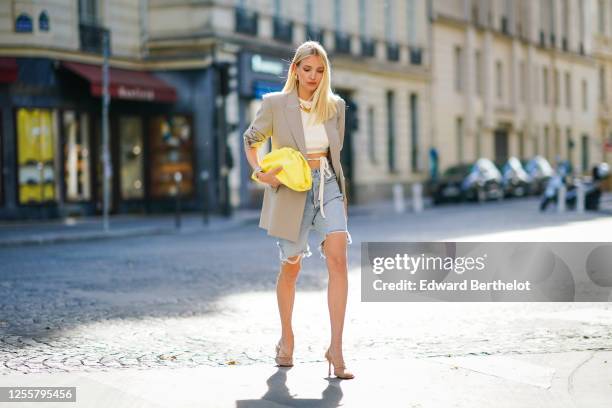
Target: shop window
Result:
[[171, 151], [37, 135], [43, 21], [131, 157], [76, 156], [23, 23], [1, 168]]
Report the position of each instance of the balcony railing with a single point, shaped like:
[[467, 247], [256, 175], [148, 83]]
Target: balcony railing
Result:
[[246, 21], [416, 56], [343, 43], [367, 48], [392, 52], [92, 37], [314, 34], [283, 29]]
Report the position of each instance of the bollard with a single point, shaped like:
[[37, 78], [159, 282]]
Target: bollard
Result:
[[204, 176], [398, 198], [579, 197], [561, 199], [417, 197], [177, 214]]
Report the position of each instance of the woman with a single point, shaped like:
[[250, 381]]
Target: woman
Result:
[[307, 116]]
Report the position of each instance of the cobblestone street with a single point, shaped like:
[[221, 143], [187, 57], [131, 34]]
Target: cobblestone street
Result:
[[193, 299]]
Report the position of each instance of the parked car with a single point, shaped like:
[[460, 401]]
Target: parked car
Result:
[[516, 182], [448, 185], [540, 171], [478, 181]]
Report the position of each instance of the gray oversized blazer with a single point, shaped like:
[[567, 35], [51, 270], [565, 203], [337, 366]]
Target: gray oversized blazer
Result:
[[279, 118]]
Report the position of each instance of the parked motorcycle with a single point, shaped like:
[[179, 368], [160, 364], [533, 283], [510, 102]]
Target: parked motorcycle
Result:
[[591, 186]]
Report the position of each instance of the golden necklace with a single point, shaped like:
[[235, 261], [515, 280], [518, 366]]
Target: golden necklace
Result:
[[305, 108]]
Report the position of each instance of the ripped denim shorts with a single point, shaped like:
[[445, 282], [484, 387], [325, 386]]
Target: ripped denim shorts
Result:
[[331, 219]]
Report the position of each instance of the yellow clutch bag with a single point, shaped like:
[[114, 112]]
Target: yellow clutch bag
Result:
[[295, 173]]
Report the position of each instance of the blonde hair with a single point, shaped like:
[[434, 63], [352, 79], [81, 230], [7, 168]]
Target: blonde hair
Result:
[[324, 100]]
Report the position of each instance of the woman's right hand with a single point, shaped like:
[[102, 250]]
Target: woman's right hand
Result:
[[269, 177]]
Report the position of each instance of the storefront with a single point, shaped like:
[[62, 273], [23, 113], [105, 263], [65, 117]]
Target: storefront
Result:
[[52, 154]]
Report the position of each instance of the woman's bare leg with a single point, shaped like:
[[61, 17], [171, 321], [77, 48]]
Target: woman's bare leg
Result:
[[285, 295], [334, 248]]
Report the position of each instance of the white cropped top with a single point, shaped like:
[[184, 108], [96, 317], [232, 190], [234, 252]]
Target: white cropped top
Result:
[[314, 135]]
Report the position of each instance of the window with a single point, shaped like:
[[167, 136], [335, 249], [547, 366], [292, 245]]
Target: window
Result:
[[391, 131], [581, 26], [23, 23], [459, 135], [478, 71], [363, 18], [278, 10], [602, 16], [568, 90], [602, 84], [309, 11], [458, 69], [479, 138], [371, 136], [131, 157], [556, 87], [499, 79], [585, 95], [535, 88], [171, 142], [545, 85], [557, 143], [566, 18], [546, 143], [552, 22], [569, 145], [389, 26], [411, 22], [88, 12], [43, 21], [543, 21], [77, 156], [521, 140], [414, 132], [1, 175], [36, 146], [585, 153], [522, 81], [338, 15]]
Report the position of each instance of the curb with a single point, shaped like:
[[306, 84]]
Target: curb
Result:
[[34, 240]]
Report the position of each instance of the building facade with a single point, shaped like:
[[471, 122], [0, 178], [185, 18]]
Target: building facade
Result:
[[524, 81], [459, 78]]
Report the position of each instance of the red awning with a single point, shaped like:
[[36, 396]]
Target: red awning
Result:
[[124, 84], [8, 69]]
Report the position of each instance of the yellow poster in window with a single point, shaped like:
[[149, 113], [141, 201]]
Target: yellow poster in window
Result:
[[36, 141]]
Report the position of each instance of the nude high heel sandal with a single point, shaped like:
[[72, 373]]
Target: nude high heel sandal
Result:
[[282, 361], [339, 369]]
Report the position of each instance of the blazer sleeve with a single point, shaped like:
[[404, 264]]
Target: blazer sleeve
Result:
[[261, 128], [341, 120]]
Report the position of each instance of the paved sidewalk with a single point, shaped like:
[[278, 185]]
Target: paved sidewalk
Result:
[[88, 228], [572, 379]]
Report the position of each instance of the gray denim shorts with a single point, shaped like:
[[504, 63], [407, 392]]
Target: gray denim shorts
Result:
[[334, 221]]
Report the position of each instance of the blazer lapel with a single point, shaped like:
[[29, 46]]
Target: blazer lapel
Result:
[[294, 119]]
